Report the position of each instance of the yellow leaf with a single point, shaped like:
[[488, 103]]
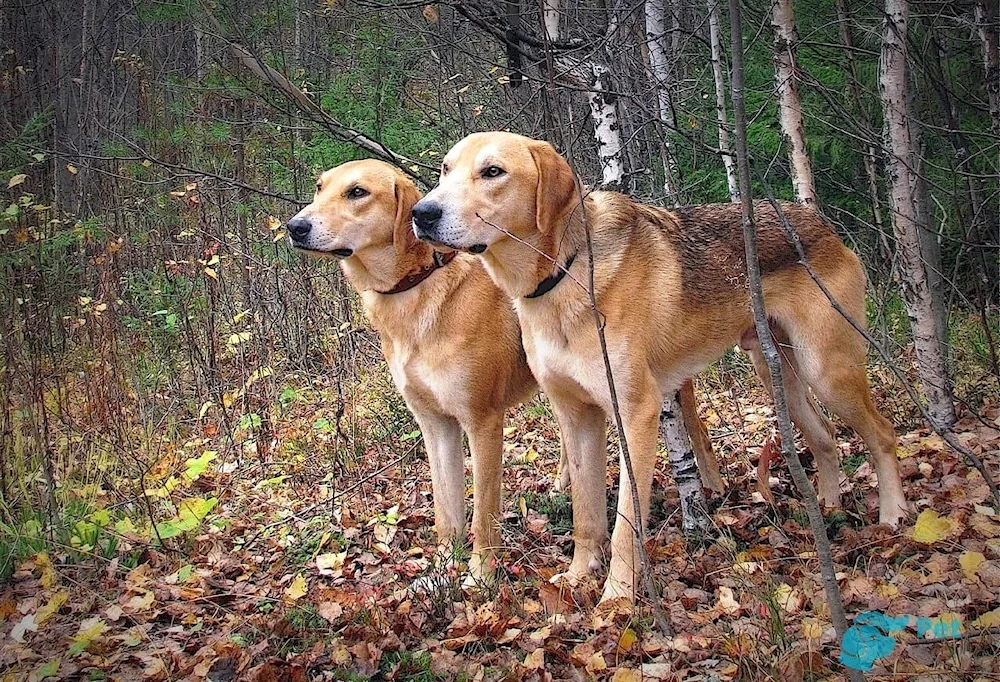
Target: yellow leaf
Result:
[[72, 169], [44, 564], [627, 640], [52, 607], [273, 224], [297, 588], [191, 186], [141, 602], [970, 562], [204, 408], [626, 675], [811, 629], [16, 180], [211, 273], [931, 527], [991, 619], [330, 562], [727, 602], [90, 629]]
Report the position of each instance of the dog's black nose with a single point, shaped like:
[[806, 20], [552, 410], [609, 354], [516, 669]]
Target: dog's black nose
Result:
[[299, 228], [426, 214]]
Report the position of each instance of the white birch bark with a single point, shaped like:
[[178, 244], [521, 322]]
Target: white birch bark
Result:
[[550, 18], [789, 108], [870, 156], [607, 131], [901, 167], [659, 65], [683, 467], [720, 101], [986, 16]]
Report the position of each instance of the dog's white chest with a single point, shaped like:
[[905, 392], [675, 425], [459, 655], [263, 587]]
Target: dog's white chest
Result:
[[556, 362]]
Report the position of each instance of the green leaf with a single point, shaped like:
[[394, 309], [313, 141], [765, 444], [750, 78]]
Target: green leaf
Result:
[[189, 515], [50, 669], [196, 466], [184, 573]]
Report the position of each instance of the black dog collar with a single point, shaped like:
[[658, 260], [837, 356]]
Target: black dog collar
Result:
[[549, 283]]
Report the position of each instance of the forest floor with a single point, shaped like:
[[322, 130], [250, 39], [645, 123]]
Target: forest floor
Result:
[[294, 576]]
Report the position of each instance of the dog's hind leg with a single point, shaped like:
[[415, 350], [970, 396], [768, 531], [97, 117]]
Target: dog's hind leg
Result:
[[443, 440], [486, 446], [831, 357], [563, 481], [817, 430], [708, 465]]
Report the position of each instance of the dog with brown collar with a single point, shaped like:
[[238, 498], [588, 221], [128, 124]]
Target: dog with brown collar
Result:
[[671, 290], [449, 335]]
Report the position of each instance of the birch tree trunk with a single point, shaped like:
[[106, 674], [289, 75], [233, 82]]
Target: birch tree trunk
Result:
[[789, 108], [868, 130], [683, 467], [986, 18], [550, 18], [906, 218], [659, 65], [720, 101]]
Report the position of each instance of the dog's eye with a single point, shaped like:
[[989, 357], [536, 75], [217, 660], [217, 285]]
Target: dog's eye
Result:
[[357, 193], [493, 172], [444, 169], [319, 186]]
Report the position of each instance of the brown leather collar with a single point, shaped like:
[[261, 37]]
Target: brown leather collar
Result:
[[413, 279]]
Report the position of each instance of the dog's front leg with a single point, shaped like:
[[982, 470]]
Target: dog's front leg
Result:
[[641, 419], [443, 439], [486, 446], [583, 431]]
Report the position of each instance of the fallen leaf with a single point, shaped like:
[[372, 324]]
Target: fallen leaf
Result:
[[16, 180], [330, 611], [536, 659], [990, 619], [970, 562], [626, 675], [90, 629], [330, 562], [297, 588], [931, 527], [52, 607], [727, 603], [25, 625], [627, 640], [72, 169]]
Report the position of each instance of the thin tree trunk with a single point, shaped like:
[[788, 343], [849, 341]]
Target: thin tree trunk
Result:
[[659, 65], [868, 130], [789, 108], [550, 18], [683, 467], [901, 167], [769, 349], [720, 100], [986, 24]]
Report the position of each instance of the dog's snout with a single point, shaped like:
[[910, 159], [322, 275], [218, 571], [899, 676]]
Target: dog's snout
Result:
[[298, 228], [426, 214]]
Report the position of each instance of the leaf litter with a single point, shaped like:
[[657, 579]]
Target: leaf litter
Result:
[[262, 578]]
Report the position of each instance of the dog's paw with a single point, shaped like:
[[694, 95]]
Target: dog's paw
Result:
[[617, 592]]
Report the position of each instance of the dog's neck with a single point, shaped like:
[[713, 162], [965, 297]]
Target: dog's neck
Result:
[[518, 267], [381, 268]]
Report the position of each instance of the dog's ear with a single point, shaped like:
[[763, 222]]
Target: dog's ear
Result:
[[556, 190], [407, 195]]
